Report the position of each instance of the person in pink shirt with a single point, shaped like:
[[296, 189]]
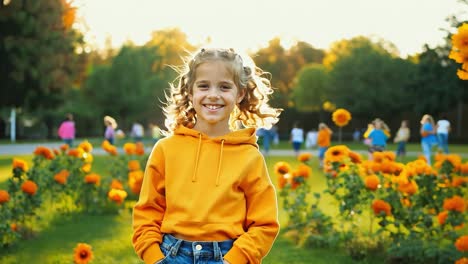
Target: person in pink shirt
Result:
[[66, 131]]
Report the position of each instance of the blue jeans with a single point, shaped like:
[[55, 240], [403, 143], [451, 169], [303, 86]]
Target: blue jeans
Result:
[[178, 251], [443, 141], [401, 150], [427, 149]]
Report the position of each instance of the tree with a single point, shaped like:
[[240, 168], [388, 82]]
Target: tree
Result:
[[310, 88], [366, 78], [284, 65], [37, 50], [128, 88]]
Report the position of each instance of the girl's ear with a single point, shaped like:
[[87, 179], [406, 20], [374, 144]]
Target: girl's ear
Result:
[[241, 95]]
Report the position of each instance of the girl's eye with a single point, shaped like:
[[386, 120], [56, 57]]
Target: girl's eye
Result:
[[203, 86], [226, 87]]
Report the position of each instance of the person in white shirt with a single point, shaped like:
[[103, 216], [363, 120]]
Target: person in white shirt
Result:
[[137, 132], [311, 139], [297, 137], [443, 130]]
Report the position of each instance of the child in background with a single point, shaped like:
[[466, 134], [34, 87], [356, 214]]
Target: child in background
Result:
[[206, 196], [428, 136], [311, 139], [111, 125], [402, 137], [66, 131], [378, 133], [323, 141], [296, 137]]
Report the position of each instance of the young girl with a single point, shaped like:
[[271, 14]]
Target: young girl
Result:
[[206, 196], [428, 136]]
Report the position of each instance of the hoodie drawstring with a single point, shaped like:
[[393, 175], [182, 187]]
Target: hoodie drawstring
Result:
[[219, 162], [194, 176]]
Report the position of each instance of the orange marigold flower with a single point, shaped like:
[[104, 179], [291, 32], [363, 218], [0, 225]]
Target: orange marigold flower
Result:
[[4, 196], [116, 184], [64, 147], [133, 165], [29, 187], [456, 203], [43, 151], [20, 164], [303, 157], [341, 117], [14, 227], [78, 152], [408, 187], [381, 206], [405, 202], [93, 178], [372, 182], [86, 146], [459, 181], [442, 217], [303, 170], [83, 253], [463, 168], [135, 179], [462, 243], [336, 153], [117, 195], [129, 148], [355, 157], [282, 180], [62, 176], [462, 261], [389, 155], [282, 167], [139, 148]]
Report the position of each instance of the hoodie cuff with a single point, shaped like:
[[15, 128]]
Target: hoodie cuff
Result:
[[153, 254], [236, 256]]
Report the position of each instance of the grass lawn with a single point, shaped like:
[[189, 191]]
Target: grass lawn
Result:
[[110, 235]]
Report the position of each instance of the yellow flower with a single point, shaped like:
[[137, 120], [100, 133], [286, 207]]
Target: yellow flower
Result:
[[282, 167], [86, 146], [336, 153], [83, 253], [117, 195], [304, 156], [460, 39], [341, 117], [129, 148]]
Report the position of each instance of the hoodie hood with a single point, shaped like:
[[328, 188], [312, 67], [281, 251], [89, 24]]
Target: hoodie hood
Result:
[[242, 136]]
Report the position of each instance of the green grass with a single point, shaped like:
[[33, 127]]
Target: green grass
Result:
[[110, 235]]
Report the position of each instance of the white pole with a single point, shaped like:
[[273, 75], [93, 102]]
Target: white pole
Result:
[[13, 125]]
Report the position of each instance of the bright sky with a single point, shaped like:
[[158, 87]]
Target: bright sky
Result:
[[250, 24]]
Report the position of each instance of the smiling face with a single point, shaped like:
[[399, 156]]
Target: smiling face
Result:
[[214, 96]]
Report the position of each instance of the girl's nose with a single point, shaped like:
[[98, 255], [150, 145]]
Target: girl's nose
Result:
[[214, 96]]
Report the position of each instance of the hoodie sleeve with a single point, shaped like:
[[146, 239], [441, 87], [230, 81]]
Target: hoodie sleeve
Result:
[[261, 221], [148, 212]]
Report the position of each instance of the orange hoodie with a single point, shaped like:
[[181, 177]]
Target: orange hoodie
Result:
[[207, 189]]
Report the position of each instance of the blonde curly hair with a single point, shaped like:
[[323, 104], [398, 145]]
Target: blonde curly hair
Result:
[[252, 111]]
